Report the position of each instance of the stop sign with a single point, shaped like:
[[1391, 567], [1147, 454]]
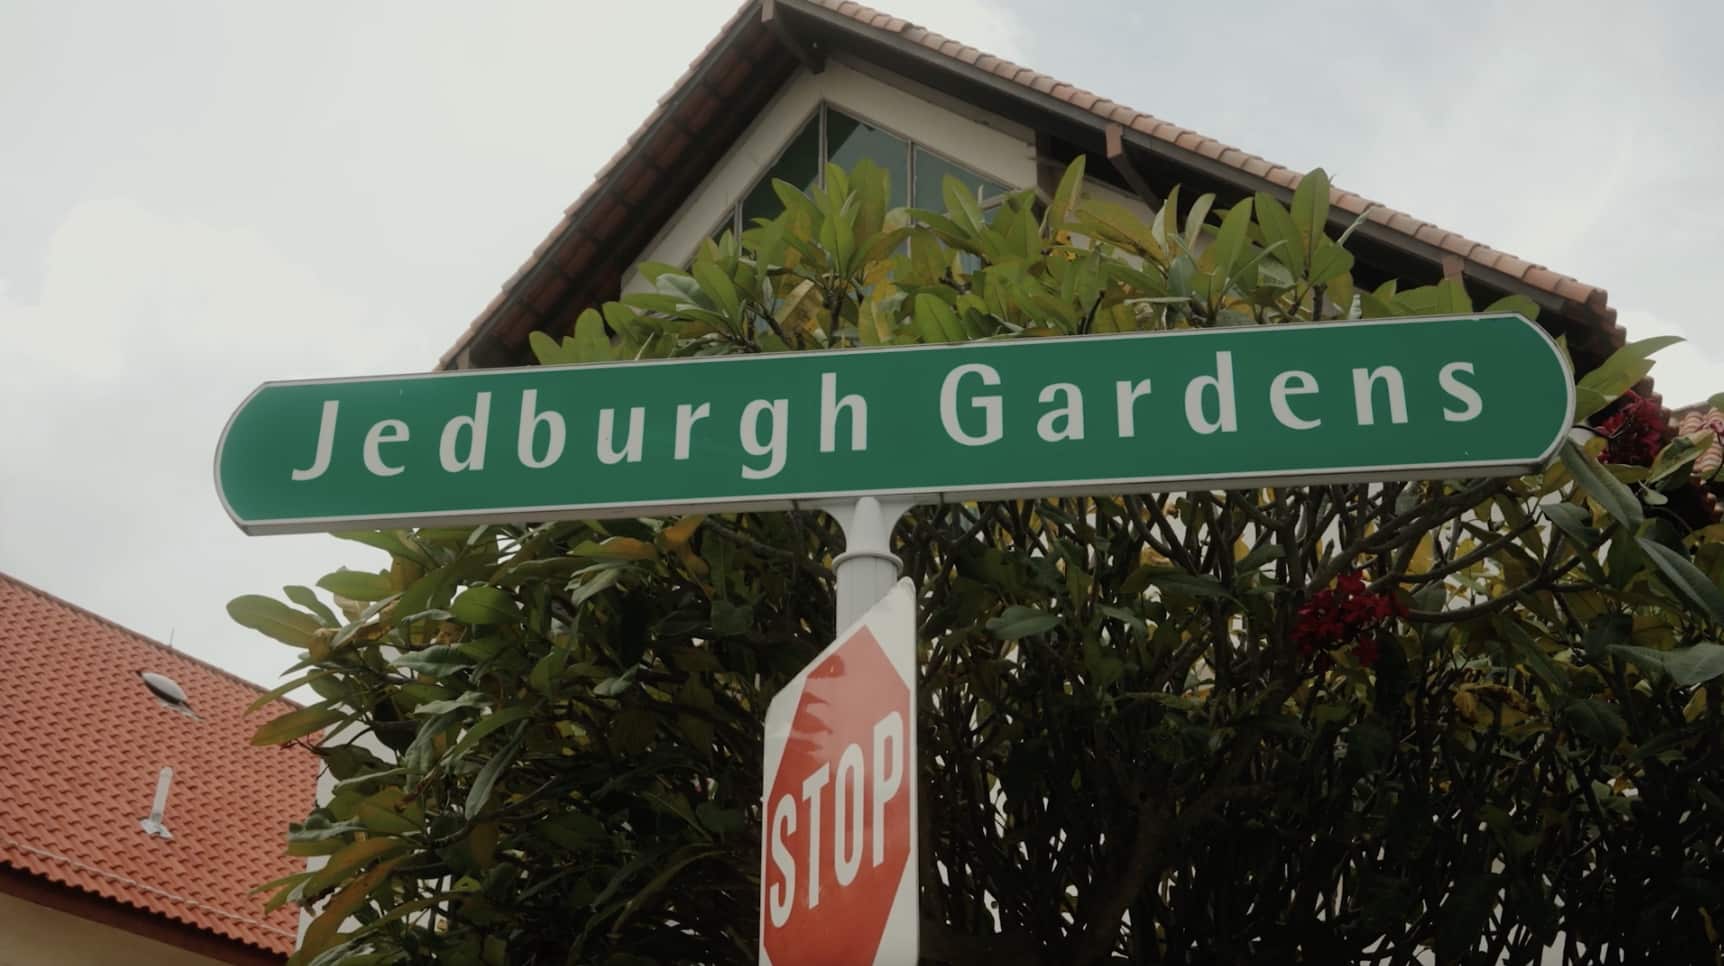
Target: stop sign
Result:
[[838, 851]]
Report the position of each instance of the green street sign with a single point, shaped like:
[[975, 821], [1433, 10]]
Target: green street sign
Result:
[[1245, 406]]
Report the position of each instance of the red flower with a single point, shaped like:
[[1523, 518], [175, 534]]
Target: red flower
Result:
[[1634, 431], [1348, 614]]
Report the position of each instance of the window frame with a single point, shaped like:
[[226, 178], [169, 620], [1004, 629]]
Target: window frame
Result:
[[732, 221]]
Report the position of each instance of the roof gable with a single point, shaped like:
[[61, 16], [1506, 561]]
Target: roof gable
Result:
[[86, 744], [583, 260]]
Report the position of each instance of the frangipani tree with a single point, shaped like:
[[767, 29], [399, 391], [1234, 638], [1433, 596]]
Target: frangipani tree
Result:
[[1368, 723]]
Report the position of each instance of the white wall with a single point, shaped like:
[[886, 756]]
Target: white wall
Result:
[[33, 935]]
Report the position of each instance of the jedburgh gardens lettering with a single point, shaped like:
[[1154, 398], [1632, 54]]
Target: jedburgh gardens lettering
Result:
[[972, 413], [1436, 397]]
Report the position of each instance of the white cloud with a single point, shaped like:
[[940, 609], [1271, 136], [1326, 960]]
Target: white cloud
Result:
[[148, 331], [1685, 373]]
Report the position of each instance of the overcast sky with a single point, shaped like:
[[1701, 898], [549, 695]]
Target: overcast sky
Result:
[[199, 196]]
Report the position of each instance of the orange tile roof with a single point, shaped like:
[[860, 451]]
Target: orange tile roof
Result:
[[86, 741], [582, 260]]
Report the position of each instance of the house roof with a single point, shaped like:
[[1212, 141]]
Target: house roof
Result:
[[86, 741], [583, 259]]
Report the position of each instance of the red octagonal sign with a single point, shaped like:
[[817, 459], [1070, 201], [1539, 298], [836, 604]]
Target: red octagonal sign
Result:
[[838, 853]]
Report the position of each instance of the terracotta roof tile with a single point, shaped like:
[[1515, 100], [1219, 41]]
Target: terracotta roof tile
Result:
[[1256, 166], [1458, 245], [1430, 234], [1570, 289], [1512, 266], [1541, 277], [87, 743], [1349, 202]]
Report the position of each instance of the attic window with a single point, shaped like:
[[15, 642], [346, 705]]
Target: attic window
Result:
[[167, 692], [831, 136]]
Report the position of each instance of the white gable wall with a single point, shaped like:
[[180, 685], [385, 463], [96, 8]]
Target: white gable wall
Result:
[[991, 146]]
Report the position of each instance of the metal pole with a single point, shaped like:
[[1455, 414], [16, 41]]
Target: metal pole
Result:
[[867, 568]]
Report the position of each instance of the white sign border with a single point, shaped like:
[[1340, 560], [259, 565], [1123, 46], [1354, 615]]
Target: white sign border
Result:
[[800, 500]]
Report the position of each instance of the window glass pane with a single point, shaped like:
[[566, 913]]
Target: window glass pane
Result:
[[799, 165], [849, 141], [931, 174]]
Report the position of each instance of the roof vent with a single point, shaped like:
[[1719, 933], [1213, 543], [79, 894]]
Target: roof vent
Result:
[[168, 692], [153, 824]]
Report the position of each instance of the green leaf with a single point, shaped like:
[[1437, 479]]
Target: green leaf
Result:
[[296, 724], [1278, 226], [731, 620], [547, 350], [1616, 498], [306, 598], [1065, 199], [436, 660], [472, 699], [1596, 721], [543, 677], [274, 619], [1461, 918], [485, 605], [1195, 219], [357, 585], [585, 590], [281, 689], [632, 730], [321, 934], [1020, 621], [480, 792], [1518, 304], [611, 687], [1687, 579], [487, 725], [961, 205], [719, 288], [1678, 455], [1530, 651], [1684, 666], [688, 856], [591, 342], [1329, 262], [1575, 523], [1619, 373], [1311, 207], [1197, 585], [936, 321], [394, 543], [1604, 632], [1230, 240]]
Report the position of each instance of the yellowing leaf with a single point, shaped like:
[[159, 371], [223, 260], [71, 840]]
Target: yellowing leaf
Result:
[[322, 932], [627, 548], [677, 535]]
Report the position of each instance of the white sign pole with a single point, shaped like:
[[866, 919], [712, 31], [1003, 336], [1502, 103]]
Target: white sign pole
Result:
[[867, 568]]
